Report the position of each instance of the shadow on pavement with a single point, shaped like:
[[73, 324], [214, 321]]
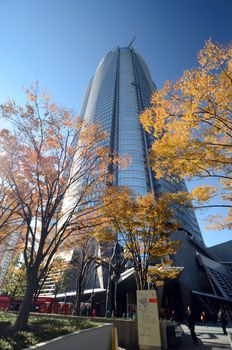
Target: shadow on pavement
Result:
[[206, 340]]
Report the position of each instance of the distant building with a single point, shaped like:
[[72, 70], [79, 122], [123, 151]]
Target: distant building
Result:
[[7, 251], [223, 251], [205, 282], [53, 280]]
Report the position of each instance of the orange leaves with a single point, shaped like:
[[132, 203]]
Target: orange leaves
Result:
[[161, 272], [52, 143], [53, 108], [214, 55], [220, 222], [31, 97], [52, 154], [4, 133], [191, 122], [142, 224], [55, 169], [8, 108], [203, 193]]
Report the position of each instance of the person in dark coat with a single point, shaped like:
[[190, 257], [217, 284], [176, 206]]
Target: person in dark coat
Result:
[[204, 318], [223, 317], [190, 321]]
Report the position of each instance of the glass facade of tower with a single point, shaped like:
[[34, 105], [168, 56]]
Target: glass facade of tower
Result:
[[116, 95]]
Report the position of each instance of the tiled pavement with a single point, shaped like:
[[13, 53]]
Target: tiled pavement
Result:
[[209, 338]]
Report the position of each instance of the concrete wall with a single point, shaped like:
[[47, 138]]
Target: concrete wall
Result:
[[99, 338], [127, 329]]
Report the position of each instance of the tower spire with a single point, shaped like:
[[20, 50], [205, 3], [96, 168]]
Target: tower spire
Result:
[[131, 42]]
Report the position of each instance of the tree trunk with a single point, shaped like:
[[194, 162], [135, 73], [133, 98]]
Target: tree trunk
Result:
[[94, 285], [108, 309], [138, 278], [77, 306], [25, 308], [115, 298]]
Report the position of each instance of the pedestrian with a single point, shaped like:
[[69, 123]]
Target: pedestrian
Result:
[[223, 318], [214, 317], [190, 321], [204, 318], [94, 313], [162, 315], [173, 317]]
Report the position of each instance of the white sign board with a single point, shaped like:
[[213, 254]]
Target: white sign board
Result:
[[148, 319]]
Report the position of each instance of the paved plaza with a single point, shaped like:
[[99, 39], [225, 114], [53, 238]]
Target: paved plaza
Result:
[[210, 338]]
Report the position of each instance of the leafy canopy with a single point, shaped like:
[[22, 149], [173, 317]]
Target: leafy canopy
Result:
[[51, 163], [190, 120], [143, 226]]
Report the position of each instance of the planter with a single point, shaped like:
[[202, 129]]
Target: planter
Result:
[[88, 339]]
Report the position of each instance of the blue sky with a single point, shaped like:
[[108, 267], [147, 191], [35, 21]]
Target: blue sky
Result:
[[60, 43]]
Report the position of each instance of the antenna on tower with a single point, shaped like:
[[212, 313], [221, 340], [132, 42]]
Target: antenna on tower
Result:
[[131, 42]]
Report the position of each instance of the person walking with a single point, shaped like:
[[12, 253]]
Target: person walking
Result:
[[94, 312], [223, 317], [190, 321], [173, 317], [204, 318]]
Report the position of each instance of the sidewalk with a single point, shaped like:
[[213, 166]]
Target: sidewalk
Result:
[[209, 338]]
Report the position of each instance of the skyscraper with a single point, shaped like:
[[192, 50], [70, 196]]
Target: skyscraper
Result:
[[119, 91], [116, 95]]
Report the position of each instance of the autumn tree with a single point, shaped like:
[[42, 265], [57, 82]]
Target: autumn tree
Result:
[[53, 274], [9, 222], [84, 263], [116, 264], [143, 226], [190, 120], [51, 162], [14, 282]]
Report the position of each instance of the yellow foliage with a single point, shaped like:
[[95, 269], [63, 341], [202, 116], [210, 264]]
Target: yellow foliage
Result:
[[203, 193], [47, 158], [190, 120], [142, 224]]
